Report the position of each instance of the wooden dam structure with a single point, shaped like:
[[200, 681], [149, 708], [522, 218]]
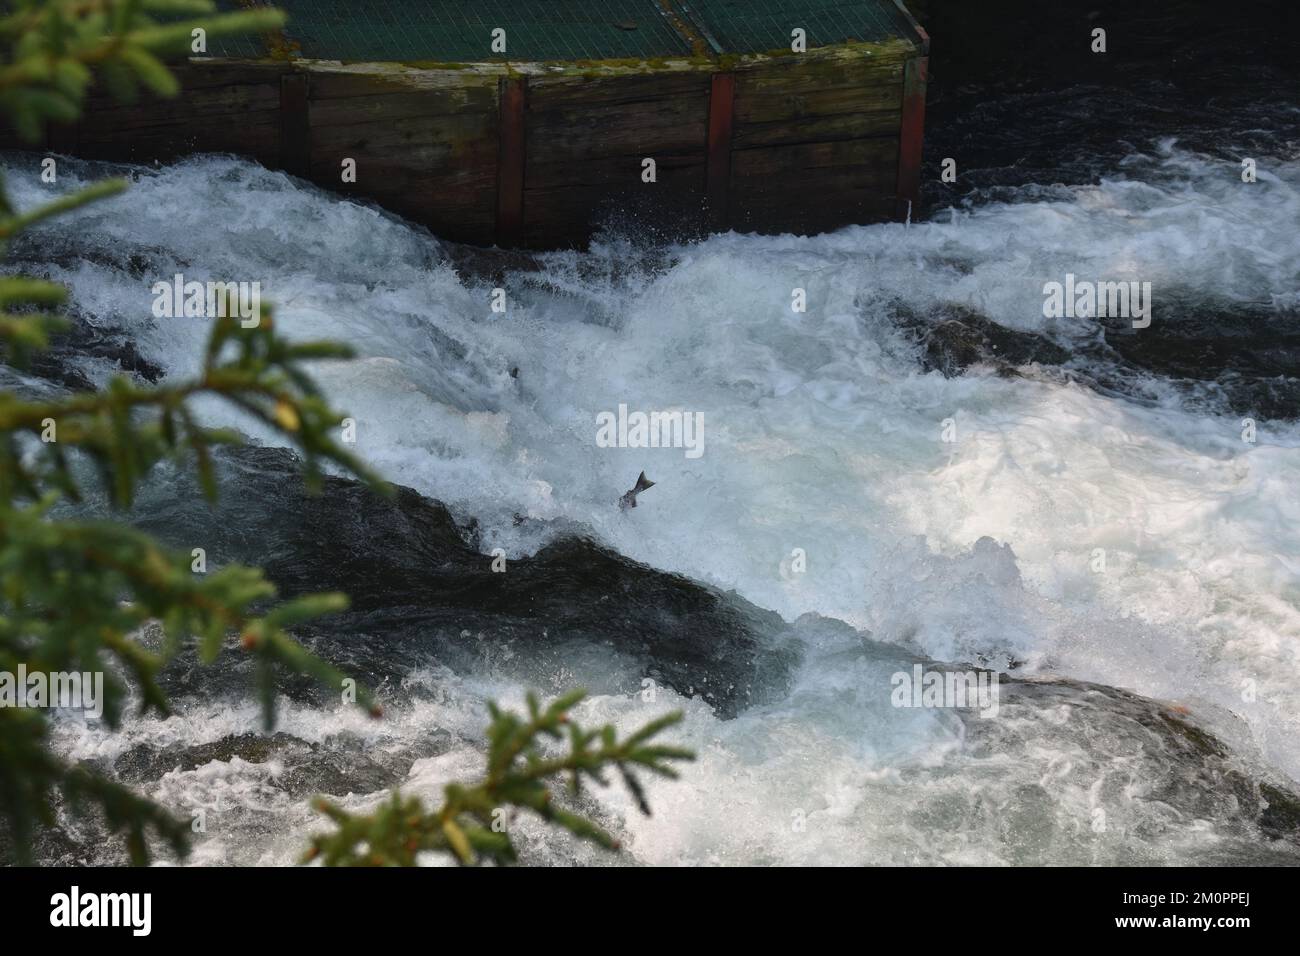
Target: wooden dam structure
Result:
[[528, 123]]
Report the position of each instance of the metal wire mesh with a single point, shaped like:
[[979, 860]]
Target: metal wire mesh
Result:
[[461, 30], [760, 26], [453, 31], [237, 46]]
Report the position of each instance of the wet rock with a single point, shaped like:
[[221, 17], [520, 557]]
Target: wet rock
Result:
[[956, 339], [420, 585], [1143, 752], [1250, 354], [303, 769], [1281, 814], [64, 361], [147, 762]]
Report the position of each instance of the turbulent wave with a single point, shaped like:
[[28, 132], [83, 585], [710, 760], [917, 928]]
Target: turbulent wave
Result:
[[824, 431]]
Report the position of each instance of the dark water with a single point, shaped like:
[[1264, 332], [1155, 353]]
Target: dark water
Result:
[[1022, 103]]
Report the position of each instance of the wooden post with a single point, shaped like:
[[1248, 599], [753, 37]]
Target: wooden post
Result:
[[61, 137], [722, 99], [295, 124], [911, 137], [510, 161]]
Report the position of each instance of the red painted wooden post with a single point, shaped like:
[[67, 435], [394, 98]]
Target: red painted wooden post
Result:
[[911, 136], [510, 161], [722, 98]]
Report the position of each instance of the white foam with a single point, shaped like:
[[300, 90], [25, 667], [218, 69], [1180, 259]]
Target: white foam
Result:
[[821, 433]]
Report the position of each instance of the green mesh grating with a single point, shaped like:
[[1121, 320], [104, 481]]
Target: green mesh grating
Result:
[[460, 31], [240, 46], [761, 26]]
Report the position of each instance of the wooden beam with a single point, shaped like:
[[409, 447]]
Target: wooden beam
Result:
[[295, 124], [510, 160], [722, 99], [61, 137], [912, 134]]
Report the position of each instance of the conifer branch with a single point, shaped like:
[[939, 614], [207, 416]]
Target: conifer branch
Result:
[[472, 823], [76, 594]]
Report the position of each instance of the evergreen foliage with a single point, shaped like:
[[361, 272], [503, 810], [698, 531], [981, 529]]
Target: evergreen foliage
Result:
[[75, 593], [472, 823]]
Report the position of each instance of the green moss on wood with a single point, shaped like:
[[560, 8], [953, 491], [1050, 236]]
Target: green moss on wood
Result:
[[595, 68]]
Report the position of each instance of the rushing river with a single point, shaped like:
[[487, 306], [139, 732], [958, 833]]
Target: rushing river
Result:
[[966, 481]]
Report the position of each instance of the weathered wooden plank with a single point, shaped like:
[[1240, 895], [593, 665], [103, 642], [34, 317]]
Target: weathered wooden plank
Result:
[[677, 124], [449, 186], [295, 123], [198, 74], [383, 79], [425, 150], [345, 111], [418, 161], [608, 171], [449, 131], [564, 201], [878, 154], [468, 199], [221, 108], [790, 101], [145, 139], [570, 91], [782, 105], [823, 69], [790, 188], [414, 179], [814, 129], [59, 137], [191, 107]]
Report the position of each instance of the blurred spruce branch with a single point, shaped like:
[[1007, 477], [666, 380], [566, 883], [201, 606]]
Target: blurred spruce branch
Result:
[[51, 47], [472, 824], [74, 594]]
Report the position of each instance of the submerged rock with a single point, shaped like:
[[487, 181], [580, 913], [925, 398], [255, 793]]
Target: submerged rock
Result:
[[1248, 354], [421, 589], [1147, 764], [80, 347], [956, 339], [301, 768], [1237, 357]]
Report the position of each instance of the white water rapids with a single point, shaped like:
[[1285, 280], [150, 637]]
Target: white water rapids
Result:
[[822, 433]]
